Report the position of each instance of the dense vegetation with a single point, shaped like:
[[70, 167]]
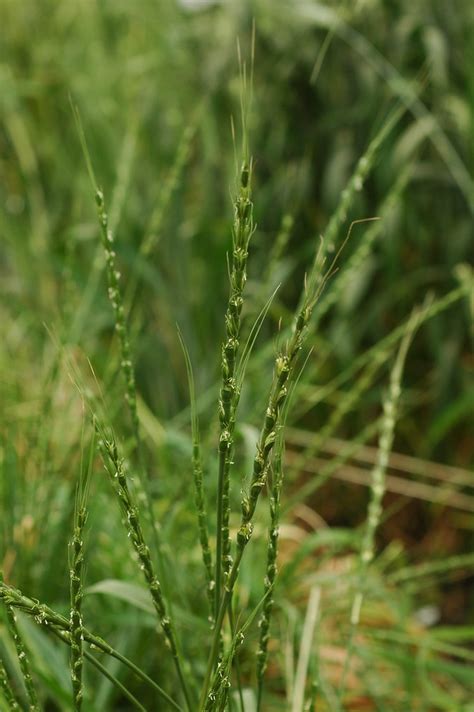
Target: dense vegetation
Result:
[[158, 243]]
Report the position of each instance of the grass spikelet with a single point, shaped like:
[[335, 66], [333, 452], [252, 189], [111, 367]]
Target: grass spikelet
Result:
[[390, 407], [271, 571], [272, 545], [343, 278], [116, 300], [356, 183], [115, 467], [45, 616], [229, 393], [23, 660], [377, 486], [198, 481], [76, 568], [6, 689]]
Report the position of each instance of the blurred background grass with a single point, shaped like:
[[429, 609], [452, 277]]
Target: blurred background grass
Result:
[[156, 84]]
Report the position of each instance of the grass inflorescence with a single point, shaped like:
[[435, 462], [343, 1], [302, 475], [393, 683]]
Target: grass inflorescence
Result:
[[76, 574], [230, 390], [114, 465]]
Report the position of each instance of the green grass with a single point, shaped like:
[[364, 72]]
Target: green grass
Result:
[[198, 455]]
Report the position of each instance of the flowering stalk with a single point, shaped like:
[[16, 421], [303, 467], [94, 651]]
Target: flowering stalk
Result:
[[76, 568], [43, 615], [282, 379], [22, 658], [272, 551], [111, 458]]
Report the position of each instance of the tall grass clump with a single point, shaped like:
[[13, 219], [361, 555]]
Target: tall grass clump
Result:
[[221, 673], [187, 460]]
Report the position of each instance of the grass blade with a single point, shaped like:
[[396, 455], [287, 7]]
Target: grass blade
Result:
[[229, 392], [198, 479]]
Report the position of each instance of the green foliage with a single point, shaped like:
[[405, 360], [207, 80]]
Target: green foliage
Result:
[[359, 111]]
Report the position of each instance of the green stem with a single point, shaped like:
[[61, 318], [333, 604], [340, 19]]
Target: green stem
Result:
[[63, 636], [111, 458], [23, 659], [43, 615], [6, 689], [226, 599]]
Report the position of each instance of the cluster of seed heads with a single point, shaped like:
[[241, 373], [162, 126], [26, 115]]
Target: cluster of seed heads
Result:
[[282, 379]]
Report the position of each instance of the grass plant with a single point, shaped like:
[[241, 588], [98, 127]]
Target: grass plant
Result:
[[309, 548]]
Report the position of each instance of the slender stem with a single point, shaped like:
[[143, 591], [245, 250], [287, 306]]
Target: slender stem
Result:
[[67, 639], [22, 655], [111, 458], [43, 615], [271, 572], [199, 496], [76, 571], [377, 489], [121, 327], [226, 599], [237, 664]]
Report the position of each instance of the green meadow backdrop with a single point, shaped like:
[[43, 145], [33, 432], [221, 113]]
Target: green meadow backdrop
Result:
[[357, 118]]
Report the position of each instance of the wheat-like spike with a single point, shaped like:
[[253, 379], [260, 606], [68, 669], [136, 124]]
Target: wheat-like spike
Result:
[[76, 568], [76, 592], [272, 543], [6, 689], [115, 467], [126, 364], [243, 229], [271, 571], [22, 655]]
